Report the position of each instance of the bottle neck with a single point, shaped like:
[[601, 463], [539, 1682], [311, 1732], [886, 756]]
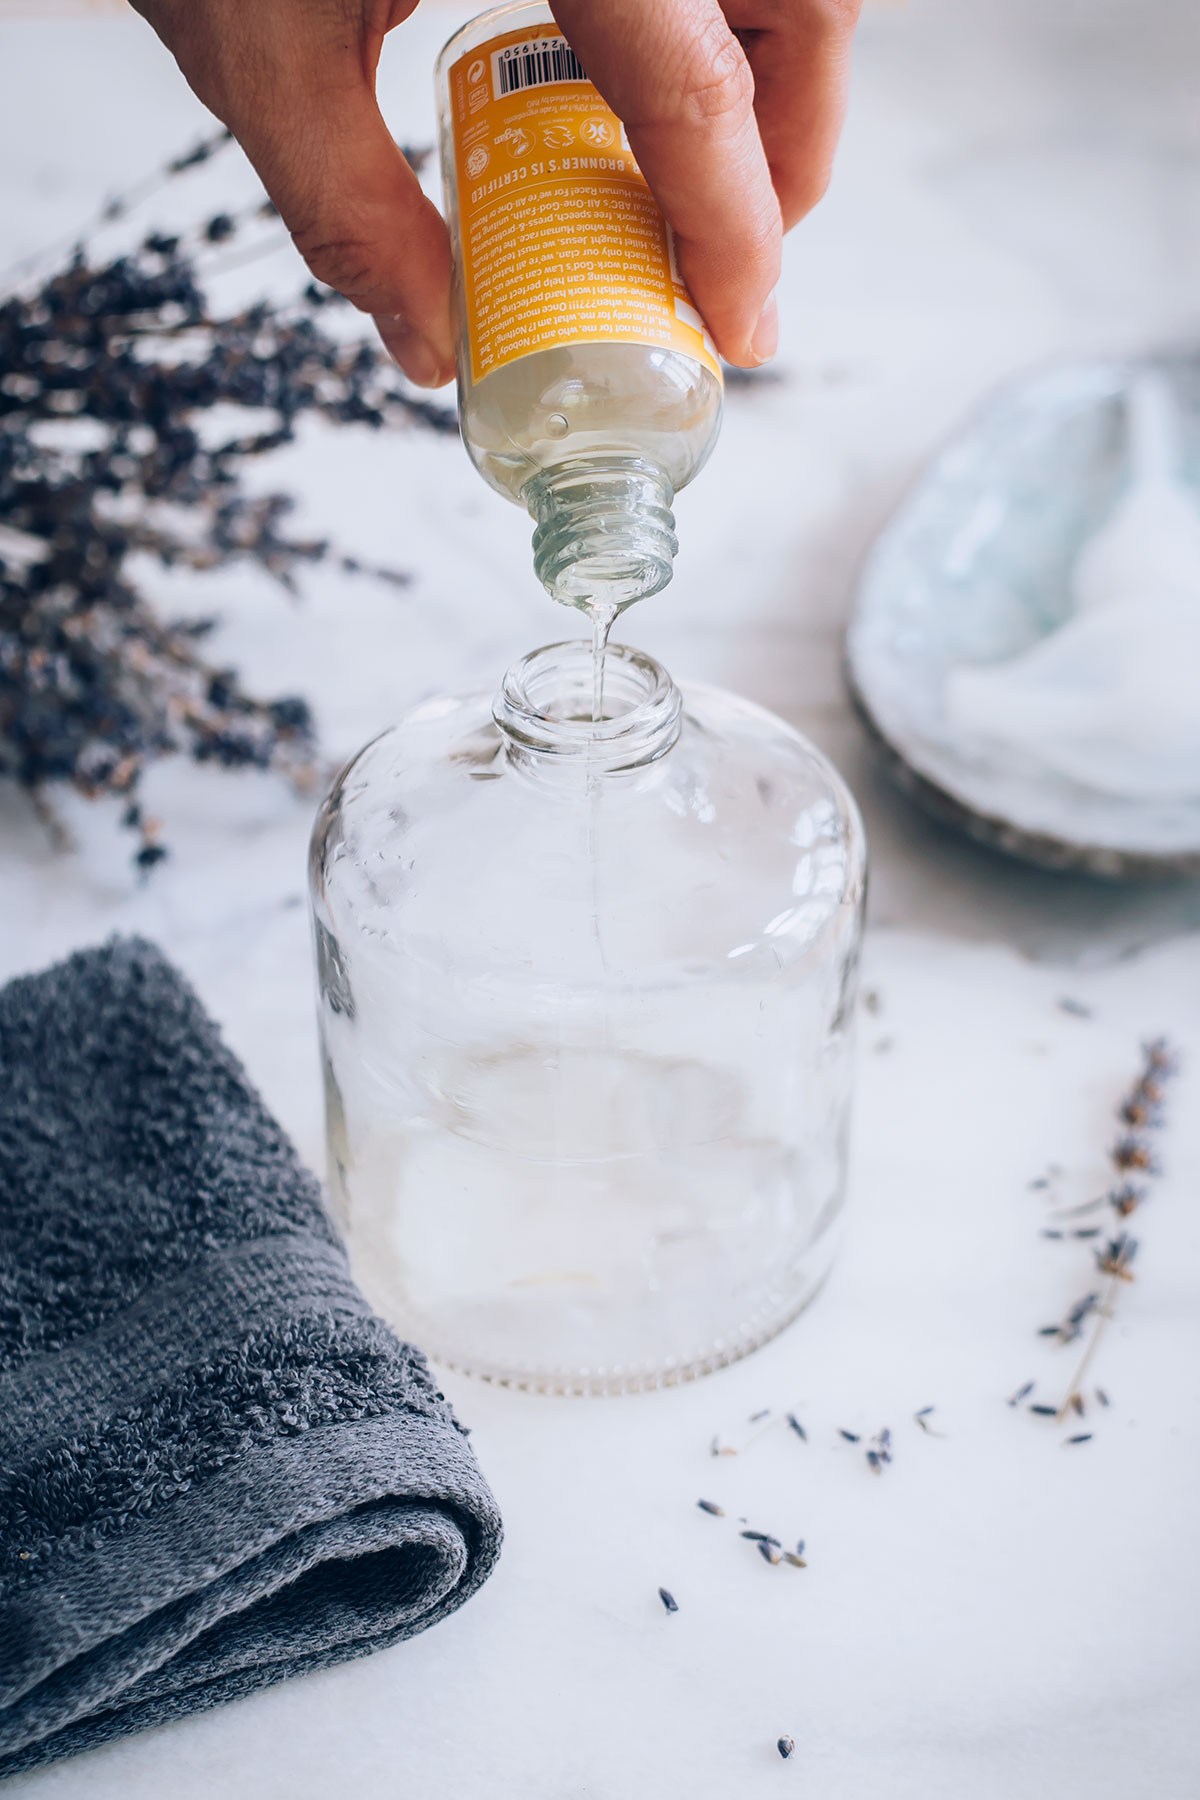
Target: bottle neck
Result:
[[544, 709], [605, 531]]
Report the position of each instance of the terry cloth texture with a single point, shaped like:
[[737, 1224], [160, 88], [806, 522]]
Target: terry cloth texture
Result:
[[217, 1467]]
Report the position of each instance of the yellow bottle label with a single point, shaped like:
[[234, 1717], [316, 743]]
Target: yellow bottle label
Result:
[[562, 240]]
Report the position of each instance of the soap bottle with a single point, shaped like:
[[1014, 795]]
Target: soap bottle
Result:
[[589, 390]]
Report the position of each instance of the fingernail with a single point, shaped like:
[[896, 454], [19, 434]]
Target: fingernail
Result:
[[765, 341], [415, 354]]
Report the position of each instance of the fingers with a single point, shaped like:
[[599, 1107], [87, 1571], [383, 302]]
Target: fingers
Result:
[[676, 75], [295, 85], [359, 219], [799, 52], [732, 112]]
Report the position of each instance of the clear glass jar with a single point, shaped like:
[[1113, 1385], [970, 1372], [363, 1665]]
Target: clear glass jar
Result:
[[562, 257], [586, 1009]]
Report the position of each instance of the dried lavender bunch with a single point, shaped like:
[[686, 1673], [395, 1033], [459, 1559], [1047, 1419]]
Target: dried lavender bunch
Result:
[[107, 373]]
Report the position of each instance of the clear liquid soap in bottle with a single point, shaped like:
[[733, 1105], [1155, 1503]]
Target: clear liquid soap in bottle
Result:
[[586, 967], [589, 391]]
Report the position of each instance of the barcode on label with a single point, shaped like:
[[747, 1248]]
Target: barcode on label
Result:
[[536, 63]]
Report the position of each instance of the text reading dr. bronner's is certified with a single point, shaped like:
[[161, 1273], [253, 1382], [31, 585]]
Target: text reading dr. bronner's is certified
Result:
[[562, 241]]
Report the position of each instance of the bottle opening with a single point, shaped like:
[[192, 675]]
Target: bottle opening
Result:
[[605, 531], [544, 707]]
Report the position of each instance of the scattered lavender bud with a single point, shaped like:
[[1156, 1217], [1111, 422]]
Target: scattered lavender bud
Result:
[[1133, 1152], [1116, 1257], [880, 1452], [1126, 1198]]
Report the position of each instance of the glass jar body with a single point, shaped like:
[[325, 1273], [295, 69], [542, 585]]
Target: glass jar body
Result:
[[587, 1035], [574, 267]]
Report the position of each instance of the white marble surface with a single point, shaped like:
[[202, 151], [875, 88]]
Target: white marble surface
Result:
[[998, 1615]]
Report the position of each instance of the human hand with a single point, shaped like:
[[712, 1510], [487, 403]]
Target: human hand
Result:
[[732, 110]]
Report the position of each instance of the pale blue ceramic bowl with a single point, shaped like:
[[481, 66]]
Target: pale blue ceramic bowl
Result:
[[975, 566]]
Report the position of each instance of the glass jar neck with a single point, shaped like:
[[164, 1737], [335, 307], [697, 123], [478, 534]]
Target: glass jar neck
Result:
[[544, 709], [605, 530]]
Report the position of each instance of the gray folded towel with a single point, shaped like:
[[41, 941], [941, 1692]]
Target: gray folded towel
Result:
[[217, 1468]]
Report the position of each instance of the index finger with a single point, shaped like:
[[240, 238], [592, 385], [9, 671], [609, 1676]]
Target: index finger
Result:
[[676, 76]]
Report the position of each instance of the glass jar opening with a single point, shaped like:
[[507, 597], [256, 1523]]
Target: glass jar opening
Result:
[[544, 706]]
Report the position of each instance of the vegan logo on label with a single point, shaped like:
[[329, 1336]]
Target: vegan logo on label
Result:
[[518, 140]]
